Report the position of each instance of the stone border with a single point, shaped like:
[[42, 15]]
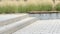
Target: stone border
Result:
[[42, 12]]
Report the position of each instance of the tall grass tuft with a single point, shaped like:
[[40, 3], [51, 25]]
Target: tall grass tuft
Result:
[[57, 7], [46, 7], [8, 9], [28, 8], [22, 9]]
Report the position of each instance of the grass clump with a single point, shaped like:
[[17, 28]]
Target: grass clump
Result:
[[42, 8], [22, 9], [8, 9], [45, 7], [25, 9], [28, 8], [57, 7]]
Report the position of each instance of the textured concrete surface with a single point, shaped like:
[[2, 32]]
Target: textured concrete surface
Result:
[[42, 27], [9, 16], [50, 26]]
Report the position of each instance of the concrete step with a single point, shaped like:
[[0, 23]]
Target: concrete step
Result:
[[9, 29], [41, 27], [10, 18]]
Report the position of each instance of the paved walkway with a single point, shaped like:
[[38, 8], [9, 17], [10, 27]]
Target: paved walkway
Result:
[[51, 26], [41, 27], [9, 16]]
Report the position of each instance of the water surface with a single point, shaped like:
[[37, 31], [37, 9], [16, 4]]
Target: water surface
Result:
[[47, 16]]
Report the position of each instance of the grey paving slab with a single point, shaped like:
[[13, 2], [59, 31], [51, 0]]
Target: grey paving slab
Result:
[[9, 16], [41, 27]]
